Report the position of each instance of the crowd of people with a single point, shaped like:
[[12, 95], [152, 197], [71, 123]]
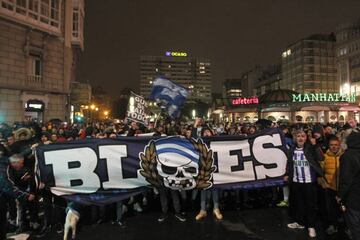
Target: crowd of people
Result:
[[322, 179]]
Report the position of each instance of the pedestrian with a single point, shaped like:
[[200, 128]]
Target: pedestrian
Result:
[[8, 190], [349, 184], [330, 183], [303, 168]]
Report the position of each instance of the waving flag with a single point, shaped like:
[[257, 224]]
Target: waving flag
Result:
[[169, 95]]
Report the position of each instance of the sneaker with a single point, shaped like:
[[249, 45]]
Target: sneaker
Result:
[[180, 217], [201, 215], [348, 233], [118, 223], [59, 228], [295, 225], [283, 204], [163, 217], [100, 221], [218, 214], [137, 207], [144, 201], [44, 230], [12, 222], [34, 225], [312, 232], [331, 230]]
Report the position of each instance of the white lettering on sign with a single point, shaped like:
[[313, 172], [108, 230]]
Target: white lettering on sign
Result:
[[237, 161], [113, 155], [85, 160]]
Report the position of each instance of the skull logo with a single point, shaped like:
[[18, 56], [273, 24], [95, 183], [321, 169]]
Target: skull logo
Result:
[[178, 164]]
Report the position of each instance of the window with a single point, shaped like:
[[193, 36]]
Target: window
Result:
[[33, 9], [75, 23], [35, 65], [38, 13], [8, 4], [34, 70], [54, 12], [21, 7]]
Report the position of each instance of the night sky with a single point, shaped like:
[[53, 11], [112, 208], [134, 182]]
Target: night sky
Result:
[[234, 34]]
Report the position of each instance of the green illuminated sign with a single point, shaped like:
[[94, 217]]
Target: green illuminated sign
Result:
[[323, 97]]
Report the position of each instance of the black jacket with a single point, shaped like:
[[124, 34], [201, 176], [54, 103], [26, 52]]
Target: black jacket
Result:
[[313, 154], [7, 188], [349, 180]]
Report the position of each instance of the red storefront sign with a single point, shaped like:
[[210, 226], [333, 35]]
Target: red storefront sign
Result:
[[245, 101]]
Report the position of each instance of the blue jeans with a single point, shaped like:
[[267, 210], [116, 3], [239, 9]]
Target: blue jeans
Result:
[[207, 194]]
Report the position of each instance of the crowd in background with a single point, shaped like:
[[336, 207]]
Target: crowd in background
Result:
[[322, 178]]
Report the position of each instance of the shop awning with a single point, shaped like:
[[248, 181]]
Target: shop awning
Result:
[[276, 109], [218, 111], [315, 108], [350, 108]]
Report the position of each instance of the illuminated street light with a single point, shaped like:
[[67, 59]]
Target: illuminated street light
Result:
[[106, 113], [96, 109], [86, 107], [92, 106], [193, 113]]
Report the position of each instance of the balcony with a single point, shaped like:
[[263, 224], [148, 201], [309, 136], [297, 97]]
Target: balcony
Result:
[[34, 81]]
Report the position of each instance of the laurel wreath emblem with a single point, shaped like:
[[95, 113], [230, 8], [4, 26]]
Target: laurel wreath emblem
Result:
[[149, 171]]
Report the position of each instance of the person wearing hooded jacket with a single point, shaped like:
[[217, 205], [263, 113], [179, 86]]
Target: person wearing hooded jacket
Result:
[[349, 184]]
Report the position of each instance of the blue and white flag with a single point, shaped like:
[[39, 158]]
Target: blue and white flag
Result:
[[169, 95]]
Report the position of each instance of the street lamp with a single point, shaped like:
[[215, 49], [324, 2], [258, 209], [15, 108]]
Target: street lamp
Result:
[[92, 106], [193, 113]]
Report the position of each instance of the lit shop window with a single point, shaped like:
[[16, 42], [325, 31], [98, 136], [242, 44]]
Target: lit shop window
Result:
[[44, 14]]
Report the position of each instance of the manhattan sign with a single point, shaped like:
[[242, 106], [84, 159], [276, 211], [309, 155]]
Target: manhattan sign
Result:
[[323, 97]]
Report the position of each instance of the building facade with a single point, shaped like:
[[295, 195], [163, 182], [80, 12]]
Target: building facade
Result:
[[39, 46], [309, 65], [269, 81], [190, 72], [232, 88], [348, 57]]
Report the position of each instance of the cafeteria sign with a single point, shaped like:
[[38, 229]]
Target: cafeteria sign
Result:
[[323, 97]]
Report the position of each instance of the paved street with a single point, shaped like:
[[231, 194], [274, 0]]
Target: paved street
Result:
[[269, 224]]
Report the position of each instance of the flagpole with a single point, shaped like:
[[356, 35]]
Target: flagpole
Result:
[[157, 118]]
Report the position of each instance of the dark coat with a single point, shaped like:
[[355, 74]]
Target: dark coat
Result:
[[313, 154], [349, 180], [7, 188]]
